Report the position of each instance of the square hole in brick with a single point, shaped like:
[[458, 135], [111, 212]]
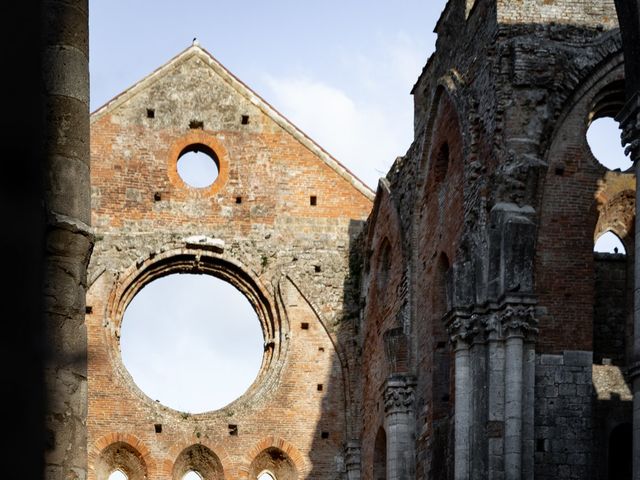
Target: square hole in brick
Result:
[[304, 326], [313, 200], [196, 124], [157, 197], [233, 430], [320, 387], [244, 119], [238, 200], [324, 435], [541, 445], [88, 309], [158, 428], [151, 113], [317, 268]]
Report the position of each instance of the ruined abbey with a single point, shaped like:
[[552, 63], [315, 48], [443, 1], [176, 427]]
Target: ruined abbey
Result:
[[454, 324]]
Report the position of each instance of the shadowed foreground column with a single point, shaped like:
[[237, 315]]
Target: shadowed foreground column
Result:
[[68, 237], [629, 20]]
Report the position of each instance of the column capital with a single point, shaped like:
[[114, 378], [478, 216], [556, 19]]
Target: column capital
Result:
[[629, 119], [399, 396], [352, 455], [462, 328], [519, 321]]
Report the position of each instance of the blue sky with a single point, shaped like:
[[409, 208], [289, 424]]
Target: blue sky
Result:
[[340, 70]]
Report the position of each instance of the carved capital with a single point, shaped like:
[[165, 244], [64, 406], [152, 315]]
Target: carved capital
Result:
[[519, 320], [399, 396], [492, 326], [462, 329], [352, 455], [629, 118]]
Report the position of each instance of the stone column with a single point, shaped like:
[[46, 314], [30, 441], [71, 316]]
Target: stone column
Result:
[[461, 335], [495, 397], [513, 406], [352, 460], [67, 194], [629, 119], [399, 424], [516, 321]]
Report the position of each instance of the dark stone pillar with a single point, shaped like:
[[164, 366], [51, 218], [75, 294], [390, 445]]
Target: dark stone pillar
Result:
[[629, 118], [68, 240]]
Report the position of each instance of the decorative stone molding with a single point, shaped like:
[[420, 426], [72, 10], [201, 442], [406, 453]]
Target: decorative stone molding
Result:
[[519, 320], [492, 322], [399, 396], [492, 326], [462, 328], [629, 119], [352, 455]]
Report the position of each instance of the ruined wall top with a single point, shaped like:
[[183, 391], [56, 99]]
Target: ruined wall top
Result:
[[587, 13]]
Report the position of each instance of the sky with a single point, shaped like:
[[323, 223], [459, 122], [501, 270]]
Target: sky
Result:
[[341, 71]]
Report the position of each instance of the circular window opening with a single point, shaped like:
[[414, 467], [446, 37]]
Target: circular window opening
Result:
[[198, 166], [609, 242], [191, 342], [603, 137]]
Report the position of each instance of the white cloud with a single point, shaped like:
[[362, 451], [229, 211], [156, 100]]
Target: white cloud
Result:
[[358, 136], [367, 123]]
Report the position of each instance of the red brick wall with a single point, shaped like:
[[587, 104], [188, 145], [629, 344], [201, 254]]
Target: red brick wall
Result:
[[294, 257]]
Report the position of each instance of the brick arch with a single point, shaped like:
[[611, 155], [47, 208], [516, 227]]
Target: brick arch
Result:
[[166, 466], [618, 216], [266, 444], [132, 443], [571, 196]]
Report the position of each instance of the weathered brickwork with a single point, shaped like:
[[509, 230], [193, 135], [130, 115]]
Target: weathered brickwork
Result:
[[277, 223], [503, 302], [458, 321]]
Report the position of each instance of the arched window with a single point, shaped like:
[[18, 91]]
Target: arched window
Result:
[[192, 475], [380, 456], [118, 475], [266, 476], [609, 242]]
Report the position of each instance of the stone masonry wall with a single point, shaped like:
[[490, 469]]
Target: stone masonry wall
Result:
[[563, 416]]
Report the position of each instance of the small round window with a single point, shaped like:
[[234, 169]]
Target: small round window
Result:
[[198, 166]]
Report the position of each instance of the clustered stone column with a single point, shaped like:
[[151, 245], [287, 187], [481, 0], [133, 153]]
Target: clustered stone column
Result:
[[461, 335], [494, 400], [399, 424], [629, 119]]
